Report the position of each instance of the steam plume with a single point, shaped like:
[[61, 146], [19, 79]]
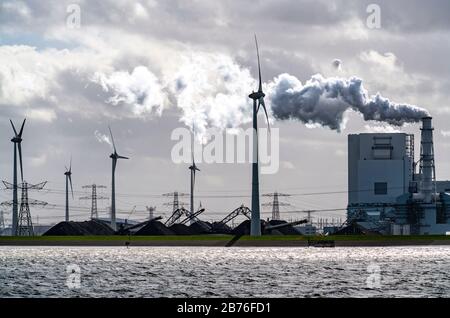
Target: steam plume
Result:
[[324, 101]]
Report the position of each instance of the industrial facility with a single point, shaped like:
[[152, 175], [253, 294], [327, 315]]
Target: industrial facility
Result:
[[389, 192]]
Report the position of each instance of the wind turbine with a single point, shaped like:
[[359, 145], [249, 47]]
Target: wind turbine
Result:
[[258, 101], [68, 175], [193, 169], [114, 156], [17, 140]]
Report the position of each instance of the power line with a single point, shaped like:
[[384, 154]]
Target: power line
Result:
[[226, 196]]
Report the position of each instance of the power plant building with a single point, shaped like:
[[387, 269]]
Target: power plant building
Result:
[[390, 191]]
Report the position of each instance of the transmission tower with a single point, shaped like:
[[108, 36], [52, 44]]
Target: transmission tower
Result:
[[151, 212], [94, 197], [309, 216], [25, 224], [176, 203], [2, 221], [275, 204]]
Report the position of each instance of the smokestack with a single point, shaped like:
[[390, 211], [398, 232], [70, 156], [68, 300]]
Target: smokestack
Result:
[[427, 170]]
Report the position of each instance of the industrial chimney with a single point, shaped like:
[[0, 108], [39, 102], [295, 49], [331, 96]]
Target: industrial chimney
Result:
[[427, 170]]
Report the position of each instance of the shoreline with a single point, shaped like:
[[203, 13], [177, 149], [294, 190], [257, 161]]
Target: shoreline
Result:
[[222, 241]]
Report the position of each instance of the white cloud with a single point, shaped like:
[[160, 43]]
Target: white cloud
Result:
[[39, 160], [387, 61], [16, 7], [445, 133], [47, 115], [102, 138], [140, 88]]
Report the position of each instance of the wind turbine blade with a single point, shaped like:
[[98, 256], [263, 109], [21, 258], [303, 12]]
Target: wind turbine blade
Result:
[[20, 159], [70, 166], [259, 65], [261, 102], [122, 157], [21, 128], [71, 188], [67, 170], [193, 146], [14, 128], [112, 139]]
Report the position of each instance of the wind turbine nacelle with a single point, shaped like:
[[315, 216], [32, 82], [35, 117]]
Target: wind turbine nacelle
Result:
[[256, 95]]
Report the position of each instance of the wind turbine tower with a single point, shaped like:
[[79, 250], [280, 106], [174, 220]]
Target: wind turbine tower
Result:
[[17, 140], [258, 101], [114, 156], [193, 169], [68, 175]]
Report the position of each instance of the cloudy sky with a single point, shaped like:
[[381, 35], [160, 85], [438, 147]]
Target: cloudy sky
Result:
[[149, 67]]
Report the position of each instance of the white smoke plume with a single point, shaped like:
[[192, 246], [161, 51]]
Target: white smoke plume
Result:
[[324, 101], [212, 91]]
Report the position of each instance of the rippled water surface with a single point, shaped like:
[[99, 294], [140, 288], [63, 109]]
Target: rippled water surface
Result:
[[226, 272]]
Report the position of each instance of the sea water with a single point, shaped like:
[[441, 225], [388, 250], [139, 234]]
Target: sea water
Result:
[[225, 272]]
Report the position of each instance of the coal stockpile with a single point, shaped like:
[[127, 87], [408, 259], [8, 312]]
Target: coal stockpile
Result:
[[221, 228], [155, 228], [201, 227], [244, 228], [79, 228], [355, 229], [287, 230], [181, 229]]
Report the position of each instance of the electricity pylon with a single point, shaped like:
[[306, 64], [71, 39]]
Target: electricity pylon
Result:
[[25, 224], [94, 197], [275, 204]]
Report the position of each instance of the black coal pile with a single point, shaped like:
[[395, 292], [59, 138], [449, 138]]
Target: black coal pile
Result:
[[355, 229], [220, 228], [286, 230], [155, 228], [79, 228], [244, 228], [182, 229], [201, 227]]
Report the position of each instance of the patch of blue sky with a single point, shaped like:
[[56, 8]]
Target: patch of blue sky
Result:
[[35, 40]]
